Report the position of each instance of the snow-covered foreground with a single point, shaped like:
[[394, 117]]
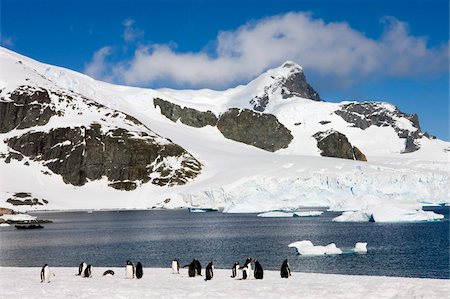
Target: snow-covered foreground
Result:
[[160, 283]]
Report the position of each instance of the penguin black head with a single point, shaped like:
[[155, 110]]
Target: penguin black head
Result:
[[45, 265], [129, 263]]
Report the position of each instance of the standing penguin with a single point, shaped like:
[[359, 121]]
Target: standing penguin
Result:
[[45, 274], [285, 270], [191, 270], [129, 270], [198, 267], [139, 271], [247, 268], [234, 270], [88, 271], [259, 273], [175, 267], [209, 271], [81, 268]]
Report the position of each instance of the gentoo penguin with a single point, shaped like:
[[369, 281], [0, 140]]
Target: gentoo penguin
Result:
[[108, 273], [285, 270], [81, 268], [175, 267], [247, 268], [234, 270], [191, 271], [45, 274], [88, 271], [139, 271], [209, 271], [259, 273], [129, 270], [198, 267]]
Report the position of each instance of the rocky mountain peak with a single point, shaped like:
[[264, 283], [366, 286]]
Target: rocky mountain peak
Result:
[[286, 81]]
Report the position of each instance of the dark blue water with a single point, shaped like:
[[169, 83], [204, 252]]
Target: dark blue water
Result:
[[156, 237]]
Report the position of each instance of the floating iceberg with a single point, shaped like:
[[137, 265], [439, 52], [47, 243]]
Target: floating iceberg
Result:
[[353, 216], [276, 214], [308, 214], [388, 214], [291, 214], [360, 247], [306, 247], [394, 214]]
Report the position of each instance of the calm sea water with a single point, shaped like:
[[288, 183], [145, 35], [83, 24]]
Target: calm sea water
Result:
[[155, 237]]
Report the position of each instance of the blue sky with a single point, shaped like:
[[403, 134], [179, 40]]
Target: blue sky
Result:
[[394, 51]]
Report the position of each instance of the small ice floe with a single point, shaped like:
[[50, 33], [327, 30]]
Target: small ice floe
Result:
[[291, 214], [308, 214], [4, 225], [306, 247], [276, 214], [18, 217]]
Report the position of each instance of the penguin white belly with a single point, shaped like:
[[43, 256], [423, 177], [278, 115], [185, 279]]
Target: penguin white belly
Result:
[[175, 268], [129, 272], [46, 275]]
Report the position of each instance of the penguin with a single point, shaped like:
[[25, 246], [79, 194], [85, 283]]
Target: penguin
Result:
[[139, 271], [234, 270], [198, 267], [45, 273], [108, 273], [209, 271], [259, 273], [88, 271], [285, 270], [247, 268], [129, 270], [191, 271], [81, 268], [175, 267]]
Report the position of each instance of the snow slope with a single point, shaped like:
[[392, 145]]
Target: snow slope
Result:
[[160, 283], [235, 176]]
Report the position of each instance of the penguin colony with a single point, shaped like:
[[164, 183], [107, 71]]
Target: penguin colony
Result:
[[194, 269]]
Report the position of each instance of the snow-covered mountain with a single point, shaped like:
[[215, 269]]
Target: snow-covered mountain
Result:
[[71, 142]]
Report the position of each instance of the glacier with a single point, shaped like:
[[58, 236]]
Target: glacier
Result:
[[236, 177]]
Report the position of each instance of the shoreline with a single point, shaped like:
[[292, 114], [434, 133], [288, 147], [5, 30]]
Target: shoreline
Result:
[[160, 282]]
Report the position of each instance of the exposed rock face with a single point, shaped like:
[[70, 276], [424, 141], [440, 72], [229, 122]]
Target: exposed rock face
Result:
[[258, 129], [26, 108], [101, 143], [125, 158], [187, 116], [364, 115], [25, 199], [293, 84], [296, 84], [261, 130], [335, 144]]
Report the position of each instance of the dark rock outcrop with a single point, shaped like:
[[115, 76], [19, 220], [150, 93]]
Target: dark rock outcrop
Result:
[[366, 114], [335, 144], [258, 129], [187, 116], [25, 199], [261, 130], [126, 158], [26, 107], [294, 84]]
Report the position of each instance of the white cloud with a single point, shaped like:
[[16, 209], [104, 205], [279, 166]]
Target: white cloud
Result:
[[332, 50], [131, 33], [98, 66]]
